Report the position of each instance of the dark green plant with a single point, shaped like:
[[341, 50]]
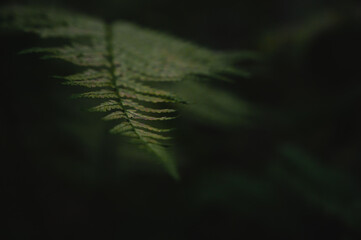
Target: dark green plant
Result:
[[125, 66]]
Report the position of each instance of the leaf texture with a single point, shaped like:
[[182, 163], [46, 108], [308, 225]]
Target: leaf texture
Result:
[[121, 59]]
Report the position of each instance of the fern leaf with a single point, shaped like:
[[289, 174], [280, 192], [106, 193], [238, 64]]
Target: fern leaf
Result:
[[116, 116], [120, 59], [99, 94], [139, 116], [107, 107], [142, 89], [133, 105], [148, 127], [121, 128]]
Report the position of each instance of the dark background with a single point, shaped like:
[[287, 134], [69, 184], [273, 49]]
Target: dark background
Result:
[[279, 158]]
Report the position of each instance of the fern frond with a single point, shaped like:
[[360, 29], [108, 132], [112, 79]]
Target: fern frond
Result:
[[120, 58]]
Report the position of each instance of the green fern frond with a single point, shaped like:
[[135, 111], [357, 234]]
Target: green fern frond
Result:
[[120, 59]]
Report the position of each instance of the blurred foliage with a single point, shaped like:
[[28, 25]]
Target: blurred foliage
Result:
[[291, 171]]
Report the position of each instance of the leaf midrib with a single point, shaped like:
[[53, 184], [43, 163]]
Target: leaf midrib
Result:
[[110, 57], [113, 77]]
